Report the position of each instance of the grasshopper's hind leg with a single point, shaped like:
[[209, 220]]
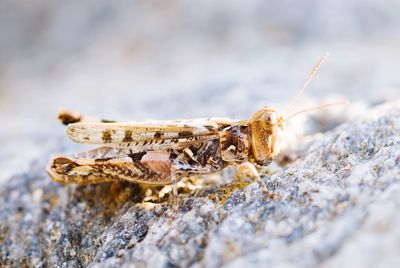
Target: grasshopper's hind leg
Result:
[[68, 117], [66, 170]]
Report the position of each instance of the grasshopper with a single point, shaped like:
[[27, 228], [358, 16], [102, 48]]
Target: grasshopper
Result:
[[163, 152]]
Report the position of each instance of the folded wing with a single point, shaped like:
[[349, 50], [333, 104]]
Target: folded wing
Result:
[[114, 133]]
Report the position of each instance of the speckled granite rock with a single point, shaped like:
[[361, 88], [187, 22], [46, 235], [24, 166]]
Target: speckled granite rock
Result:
[[336, 205]]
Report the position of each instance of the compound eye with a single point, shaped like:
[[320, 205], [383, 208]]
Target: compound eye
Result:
[[271, 118]]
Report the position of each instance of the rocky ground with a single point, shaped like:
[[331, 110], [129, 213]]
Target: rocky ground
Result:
[[335, 205], [334, 189]]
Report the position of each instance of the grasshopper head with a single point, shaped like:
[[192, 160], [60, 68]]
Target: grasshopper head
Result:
[[265, 134]]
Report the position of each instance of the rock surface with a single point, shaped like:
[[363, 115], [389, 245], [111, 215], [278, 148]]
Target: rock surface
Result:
[[334, 205], [328, 208]]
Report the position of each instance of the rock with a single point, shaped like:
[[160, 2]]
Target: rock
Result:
[[333, 197], [336, 205]]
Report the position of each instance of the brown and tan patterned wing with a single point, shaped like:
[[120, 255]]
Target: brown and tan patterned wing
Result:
[[115, 133]]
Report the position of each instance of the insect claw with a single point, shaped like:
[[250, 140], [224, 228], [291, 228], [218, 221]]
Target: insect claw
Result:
[[262, 185], [250, 170], [172, 216]]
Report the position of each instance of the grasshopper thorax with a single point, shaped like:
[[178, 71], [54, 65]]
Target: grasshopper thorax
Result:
[[265, 134]]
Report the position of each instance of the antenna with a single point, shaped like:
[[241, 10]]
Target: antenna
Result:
[[309, 78], [319, 107]]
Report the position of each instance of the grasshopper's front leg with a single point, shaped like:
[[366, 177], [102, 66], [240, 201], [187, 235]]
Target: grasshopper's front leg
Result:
[[250, 171]]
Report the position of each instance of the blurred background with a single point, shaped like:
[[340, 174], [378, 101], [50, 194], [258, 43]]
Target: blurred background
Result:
[[183, 59]]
